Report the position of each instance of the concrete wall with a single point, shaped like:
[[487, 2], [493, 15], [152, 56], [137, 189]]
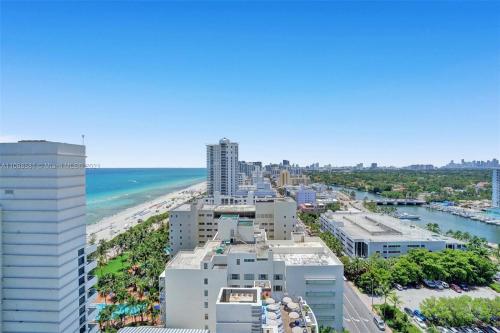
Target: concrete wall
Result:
[[183, 228]]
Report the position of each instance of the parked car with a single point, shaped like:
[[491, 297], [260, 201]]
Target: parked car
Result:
[[419, 315], [491, 329], [441, 283], [398, 286], [464, 286], [455, 288], [409, 312], [421, 323], [429, 284], [379, 322]]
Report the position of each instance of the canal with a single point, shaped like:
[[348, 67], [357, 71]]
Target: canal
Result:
[[445, 221]]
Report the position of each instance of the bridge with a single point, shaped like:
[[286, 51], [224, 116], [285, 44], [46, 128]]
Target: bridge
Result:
[[399, 202]]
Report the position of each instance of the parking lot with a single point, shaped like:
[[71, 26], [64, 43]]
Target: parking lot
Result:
[[412, 298]]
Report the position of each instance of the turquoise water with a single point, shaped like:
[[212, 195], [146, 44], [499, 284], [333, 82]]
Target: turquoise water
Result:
[[110, 191], [446, 221], [121, 309]]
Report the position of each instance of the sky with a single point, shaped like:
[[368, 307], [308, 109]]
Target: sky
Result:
[[151, 83]]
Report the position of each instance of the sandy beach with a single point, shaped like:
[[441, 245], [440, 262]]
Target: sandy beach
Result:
[[109, 227]]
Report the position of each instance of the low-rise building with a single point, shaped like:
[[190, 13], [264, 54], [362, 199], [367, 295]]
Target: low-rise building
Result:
[[196, 223], [241, 254], [363, 234], [305, 195]]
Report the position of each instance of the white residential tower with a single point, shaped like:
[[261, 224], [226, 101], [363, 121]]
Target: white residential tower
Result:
[[45, 282]]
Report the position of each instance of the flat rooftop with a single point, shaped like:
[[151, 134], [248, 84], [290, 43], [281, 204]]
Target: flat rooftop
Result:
[[239, 295], [234, 208], [182, 208], [192, 259], [382, 228], [307, 259], [310, 252]]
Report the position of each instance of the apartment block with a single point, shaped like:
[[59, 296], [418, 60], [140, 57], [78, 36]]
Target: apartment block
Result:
[[194, 224], [239, 256]]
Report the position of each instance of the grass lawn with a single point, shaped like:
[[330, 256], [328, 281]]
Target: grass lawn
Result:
[[116, 265]]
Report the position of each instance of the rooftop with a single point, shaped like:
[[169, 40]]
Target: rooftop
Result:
[[182, 208], [382, 228], [309, 251], [226, 209], [239, 295], [148, 329]]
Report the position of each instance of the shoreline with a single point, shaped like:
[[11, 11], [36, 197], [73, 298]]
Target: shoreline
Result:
[[111, 226]]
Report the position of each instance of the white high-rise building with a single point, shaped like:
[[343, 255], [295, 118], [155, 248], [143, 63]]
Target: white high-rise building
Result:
[[495, 186], [45, 281], [222, 167]]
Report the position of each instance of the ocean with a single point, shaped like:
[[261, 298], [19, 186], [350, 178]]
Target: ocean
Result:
[[110, 191]]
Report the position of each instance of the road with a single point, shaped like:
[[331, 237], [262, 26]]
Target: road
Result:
[[357, 316]]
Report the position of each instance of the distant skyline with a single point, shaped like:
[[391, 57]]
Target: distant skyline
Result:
[[341, 83]]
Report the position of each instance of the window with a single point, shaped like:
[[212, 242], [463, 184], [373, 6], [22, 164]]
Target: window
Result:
[[249, 277], [206, 316], [205, 293], [248, 260], [278, 277], [235, 276], [205, 305], [262, 276], [277, 288], [205, 281], [9, 192], [237, 261], [205, 265]]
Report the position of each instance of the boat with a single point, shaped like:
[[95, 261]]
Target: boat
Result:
[[406, 216]]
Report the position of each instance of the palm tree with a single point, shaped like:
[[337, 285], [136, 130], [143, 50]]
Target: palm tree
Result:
[[385, 291], [394, 298], [103, 317], [132, 303]]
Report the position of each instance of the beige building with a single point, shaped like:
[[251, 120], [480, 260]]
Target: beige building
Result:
[[284, 178], [194, 224]]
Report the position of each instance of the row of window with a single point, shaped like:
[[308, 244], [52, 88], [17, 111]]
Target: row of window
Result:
[[275, 287], [251, 276]]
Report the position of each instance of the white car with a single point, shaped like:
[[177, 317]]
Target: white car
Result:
[[420, 323]]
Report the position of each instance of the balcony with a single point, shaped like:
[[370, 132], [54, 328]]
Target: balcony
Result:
[[93, 328], [92, 295], [90, 266], [91, 248], [91, 314], [91, 281]]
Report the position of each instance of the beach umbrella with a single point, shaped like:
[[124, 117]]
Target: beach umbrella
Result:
[[273, 307], [271, 322], [294, 315], [298, 329], [271, 315], [269, 300], [286, 300], [293, 306]]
